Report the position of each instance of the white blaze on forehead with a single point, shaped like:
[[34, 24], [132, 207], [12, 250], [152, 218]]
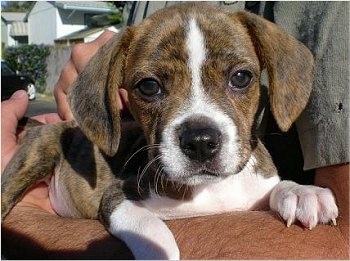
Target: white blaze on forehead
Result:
[[195, 45], [198, 104]]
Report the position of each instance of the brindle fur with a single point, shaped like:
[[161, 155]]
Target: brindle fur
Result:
[[90, 154]]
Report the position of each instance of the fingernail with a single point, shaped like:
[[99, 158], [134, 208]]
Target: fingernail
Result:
[[19, 95]]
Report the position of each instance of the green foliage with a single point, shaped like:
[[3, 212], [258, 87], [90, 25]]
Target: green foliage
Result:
[[29, 59], [115, 18], [16, 6], [105, 19]]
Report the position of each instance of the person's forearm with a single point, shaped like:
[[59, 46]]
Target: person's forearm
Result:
[[337, 179], [31, 233], [253, 235]]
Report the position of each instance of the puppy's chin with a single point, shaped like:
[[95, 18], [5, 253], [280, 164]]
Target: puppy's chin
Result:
[[194, 173], [200, 180], [200, 177]]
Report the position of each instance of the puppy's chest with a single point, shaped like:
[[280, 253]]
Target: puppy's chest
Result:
[[243, 191]]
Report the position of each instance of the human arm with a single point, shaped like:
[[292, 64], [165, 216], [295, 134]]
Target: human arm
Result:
[[238, 235]]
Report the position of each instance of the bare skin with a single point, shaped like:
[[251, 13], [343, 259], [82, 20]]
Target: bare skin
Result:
[[238, 235], [33, 231]]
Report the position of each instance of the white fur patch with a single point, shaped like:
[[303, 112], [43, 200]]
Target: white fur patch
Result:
[[145, 234], [196, 50], [308, 204], [198, 104], [247, 190]]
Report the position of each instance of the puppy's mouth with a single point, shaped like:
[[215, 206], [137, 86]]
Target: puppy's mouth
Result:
[[199, 176], [206, 172], [194, 172]]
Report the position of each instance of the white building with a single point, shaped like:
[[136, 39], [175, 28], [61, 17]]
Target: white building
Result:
[[51, 20], [13, 30]]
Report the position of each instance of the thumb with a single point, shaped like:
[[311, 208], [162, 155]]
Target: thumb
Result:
[[12, 111], [15, 107]]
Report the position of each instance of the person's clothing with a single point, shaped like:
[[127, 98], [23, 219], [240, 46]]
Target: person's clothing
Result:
[[323, 127], [322, 26]]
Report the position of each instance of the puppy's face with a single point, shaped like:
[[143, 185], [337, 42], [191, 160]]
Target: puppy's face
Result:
[[192, 75], [193, 84]]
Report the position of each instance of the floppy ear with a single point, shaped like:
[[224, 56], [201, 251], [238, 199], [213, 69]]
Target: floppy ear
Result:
[[93, 98], [289, 64]]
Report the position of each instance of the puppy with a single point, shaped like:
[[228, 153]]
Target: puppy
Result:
[[192, 74]]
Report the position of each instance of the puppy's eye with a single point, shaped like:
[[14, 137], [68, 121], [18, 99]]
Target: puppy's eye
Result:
[[240, 79], [149, 88]]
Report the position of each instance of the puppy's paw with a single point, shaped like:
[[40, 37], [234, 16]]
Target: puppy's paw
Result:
[[308, 204], [150, 249], [144, 233]]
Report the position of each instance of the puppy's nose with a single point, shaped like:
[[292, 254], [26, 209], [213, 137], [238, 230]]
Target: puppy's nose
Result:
[[200, 144]]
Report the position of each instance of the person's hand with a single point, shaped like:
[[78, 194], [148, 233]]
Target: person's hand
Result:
[[12, 111], [81, 54]]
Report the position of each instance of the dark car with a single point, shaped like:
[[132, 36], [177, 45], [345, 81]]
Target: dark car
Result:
[[12, 81]]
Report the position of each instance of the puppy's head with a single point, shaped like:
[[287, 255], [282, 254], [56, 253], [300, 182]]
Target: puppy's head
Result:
[[192, 74]]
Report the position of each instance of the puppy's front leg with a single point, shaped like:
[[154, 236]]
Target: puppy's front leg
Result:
[[308, 204], [145, 234]]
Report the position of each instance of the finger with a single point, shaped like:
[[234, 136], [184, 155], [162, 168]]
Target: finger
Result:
[[32, 198], [12, 111], [122, 99], [67, 78], [82, 53], [48, 118], [38, 196]]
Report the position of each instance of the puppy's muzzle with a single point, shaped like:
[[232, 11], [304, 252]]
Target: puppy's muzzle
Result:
[[199, 141]]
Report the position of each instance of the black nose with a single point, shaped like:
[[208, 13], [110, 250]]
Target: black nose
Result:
[[200, 144]]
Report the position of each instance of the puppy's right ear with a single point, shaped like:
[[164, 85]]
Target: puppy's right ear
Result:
[[93, 98]]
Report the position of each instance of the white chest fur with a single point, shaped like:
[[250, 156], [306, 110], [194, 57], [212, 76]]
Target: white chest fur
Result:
[[247, 190]]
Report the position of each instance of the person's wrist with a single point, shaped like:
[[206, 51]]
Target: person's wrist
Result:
[[336, 178]]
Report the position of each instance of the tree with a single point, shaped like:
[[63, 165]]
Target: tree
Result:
[[109, 19], [16, 6]]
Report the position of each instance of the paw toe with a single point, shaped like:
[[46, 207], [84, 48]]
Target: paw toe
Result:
[[328, 210], [308, 204]]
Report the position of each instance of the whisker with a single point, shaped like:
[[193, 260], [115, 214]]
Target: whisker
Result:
[[146, 147], [162, 176], [158, 176], [155, 181], [138, 178], [184, 193], [178, 188], [144, 171]]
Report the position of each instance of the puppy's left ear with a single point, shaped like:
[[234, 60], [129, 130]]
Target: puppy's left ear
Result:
[[93, 98], [289, 64]]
